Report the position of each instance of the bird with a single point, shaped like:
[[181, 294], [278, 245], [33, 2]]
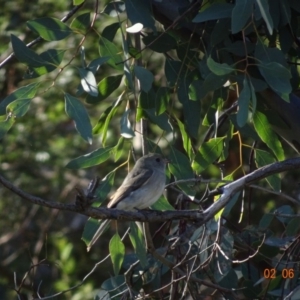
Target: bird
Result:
[[141, 188]]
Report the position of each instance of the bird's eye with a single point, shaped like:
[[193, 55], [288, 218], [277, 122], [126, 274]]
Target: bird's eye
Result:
[[158, 160]]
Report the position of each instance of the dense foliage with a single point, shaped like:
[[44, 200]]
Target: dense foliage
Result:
[[90, 86]]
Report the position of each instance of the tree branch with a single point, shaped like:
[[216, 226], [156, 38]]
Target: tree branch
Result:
[[227, 191], [39, 39]]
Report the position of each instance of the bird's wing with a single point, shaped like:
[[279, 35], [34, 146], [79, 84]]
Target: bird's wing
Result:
[[132, 182]]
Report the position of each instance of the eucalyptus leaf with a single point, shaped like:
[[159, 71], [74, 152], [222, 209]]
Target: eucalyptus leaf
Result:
[[76, 111], [50, 29], [22, 93], [207, 154], [90, 159], [117, 252], [88, 82]]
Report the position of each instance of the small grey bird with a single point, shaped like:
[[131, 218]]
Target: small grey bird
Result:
[[141, 188]]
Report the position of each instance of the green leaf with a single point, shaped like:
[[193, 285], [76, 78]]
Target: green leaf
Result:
[[104, 188], [220, 32], [292, 227], [113, 9], [77, 2], [187, 144], [105, 87], [110, 31], [162, 120], [81, 23], [246, 95], [88, 82], [108, 48], [162, 204], [50, 29], [92, 225], [52, 59], [265, 221], [6, 125], [95, 64], [180, 167], [105, 118], [90, 228], [269, 55], [161, 100], [263, 158], [138, 243], [25, 92], [145, 77], [213, 82], [18, 107], [284, 210], [117, 252], [91, 159], [172, 71], [191, 109], [24, 54], [219, 69], [241, 14], [263, 6], [140, 12], [76, 111], [267, 135], [208, 153], [243, 101], [118, 149], [145, 101], [160, 42], [126, 129], [214, 12], [277, 76]]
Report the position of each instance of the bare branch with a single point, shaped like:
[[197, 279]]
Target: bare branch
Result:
[[227, 191]]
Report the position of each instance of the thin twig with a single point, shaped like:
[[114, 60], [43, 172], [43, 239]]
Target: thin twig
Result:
[[39, 39]]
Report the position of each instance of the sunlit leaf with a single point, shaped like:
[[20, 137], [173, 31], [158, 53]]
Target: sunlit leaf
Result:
[[161, 100], [108, 48], [214, 12], [180, 167], [137, 241], [117, 252], [24, 54], [5, 126], [90, 159], [219, 69], [25, 92], [18, 107], [105, 87], [88, 82], [81, 23], [263, 6], [208, 153], [50, 29], [52, 59], [266, 133], [126, 129], [263, 158]]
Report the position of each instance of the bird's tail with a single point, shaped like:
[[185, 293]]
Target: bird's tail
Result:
[[98, 233]]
